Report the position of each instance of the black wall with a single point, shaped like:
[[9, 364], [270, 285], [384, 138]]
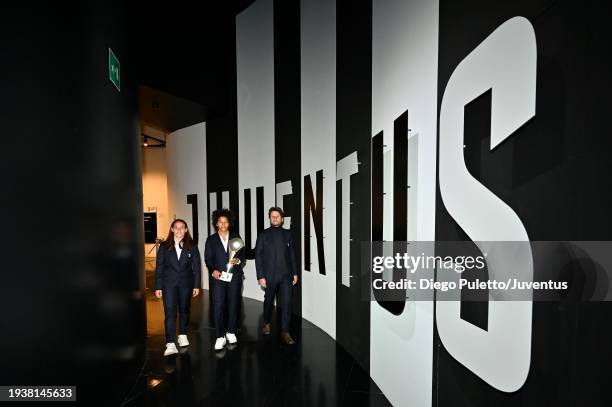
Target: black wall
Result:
[[72, 290], [287, 124], [554, 176], [188, 50], [353, 133]]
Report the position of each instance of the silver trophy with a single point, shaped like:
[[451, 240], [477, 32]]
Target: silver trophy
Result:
[[234, 247]]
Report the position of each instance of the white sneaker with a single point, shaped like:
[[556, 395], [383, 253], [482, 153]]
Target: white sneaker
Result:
[[220, 343], [170, 349], [231, 338], [182, 340]]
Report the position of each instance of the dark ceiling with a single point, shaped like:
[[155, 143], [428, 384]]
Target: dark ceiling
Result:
[[187, 51], [166, 112]]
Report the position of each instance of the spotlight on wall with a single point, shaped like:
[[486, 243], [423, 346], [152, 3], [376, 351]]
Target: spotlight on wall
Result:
[[146, 141]]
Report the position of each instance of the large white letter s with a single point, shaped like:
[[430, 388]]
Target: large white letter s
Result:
[[504, 62]]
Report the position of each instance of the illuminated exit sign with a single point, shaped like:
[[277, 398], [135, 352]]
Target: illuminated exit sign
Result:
[[114, 69]]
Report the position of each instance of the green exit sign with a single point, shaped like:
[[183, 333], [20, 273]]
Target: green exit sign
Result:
[[114, 69]]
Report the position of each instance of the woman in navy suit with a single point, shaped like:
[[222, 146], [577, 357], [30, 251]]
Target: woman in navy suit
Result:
[[226, 295], [178, 277]]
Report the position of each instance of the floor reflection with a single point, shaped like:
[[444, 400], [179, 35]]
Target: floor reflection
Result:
[[258, 371]]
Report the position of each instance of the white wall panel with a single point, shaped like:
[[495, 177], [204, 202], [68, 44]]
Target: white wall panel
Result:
[[255, 77], [186, 164], [318, 129], [404, 77]]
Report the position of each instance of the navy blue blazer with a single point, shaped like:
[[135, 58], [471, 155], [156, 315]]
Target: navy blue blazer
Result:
[[215, 256], [171, 271], [264, 256]]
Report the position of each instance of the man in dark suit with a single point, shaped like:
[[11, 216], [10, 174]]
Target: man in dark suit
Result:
[[276, 270]]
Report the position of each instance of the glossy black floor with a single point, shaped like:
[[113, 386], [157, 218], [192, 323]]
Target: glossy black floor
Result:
[[259, 371]]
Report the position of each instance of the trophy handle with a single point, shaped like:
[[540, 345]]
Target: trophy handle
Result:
[[230, 265], [231, 256]]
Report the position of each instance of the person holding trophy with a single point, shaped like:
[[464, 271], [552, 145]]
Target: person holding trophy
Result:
[[224, 258]]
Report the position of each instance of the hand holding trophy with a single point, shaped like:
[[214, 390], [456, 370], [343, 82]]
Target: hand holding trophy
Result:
[[235, 245]]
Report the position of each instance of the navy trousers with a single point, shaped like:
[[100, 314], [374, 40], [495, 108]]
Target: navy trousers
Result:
[[226, 301], [176, 297], [284, 287]]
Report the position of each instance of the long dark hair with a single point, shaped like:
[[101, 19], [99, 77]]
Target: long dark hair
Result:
[[187, 240]]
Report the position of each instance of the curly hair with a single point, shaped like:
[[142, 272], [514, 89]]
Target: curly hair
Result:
[[224, 212]]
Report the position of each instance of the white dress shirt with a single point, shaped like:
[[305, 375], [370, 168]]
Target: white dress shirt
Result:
[[177, 246], [224, 242]]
